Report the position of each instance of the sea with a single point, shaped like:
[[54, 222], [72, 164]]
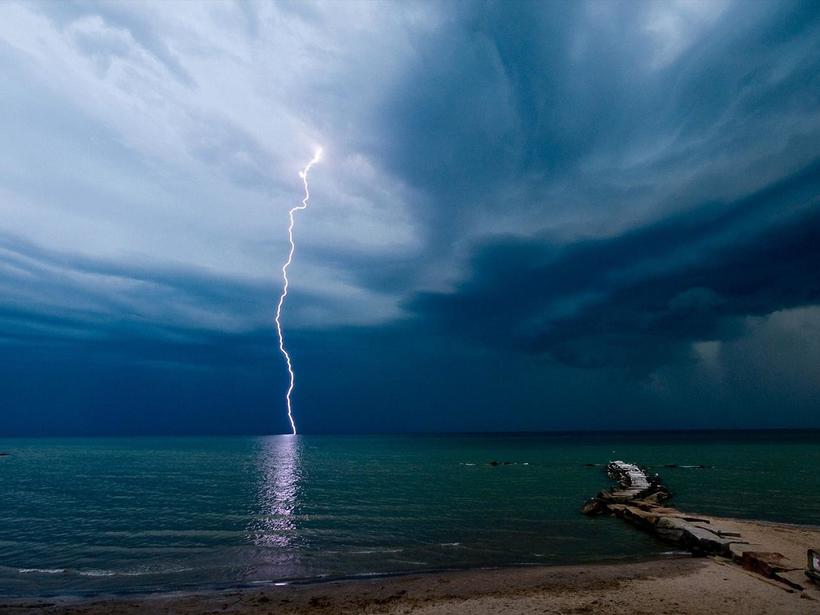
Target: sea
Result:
[[134, 515]]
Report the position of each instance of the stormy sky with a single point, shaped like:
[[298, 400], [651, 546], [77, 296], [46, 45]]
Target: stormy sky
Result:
[[529, 215]]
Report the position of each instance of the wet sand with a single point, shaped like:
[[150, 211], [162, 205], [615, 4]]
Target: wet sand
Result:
[[678, 585]]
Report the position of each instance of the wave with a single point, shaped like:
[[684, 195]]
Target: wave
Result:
[[102, 573]]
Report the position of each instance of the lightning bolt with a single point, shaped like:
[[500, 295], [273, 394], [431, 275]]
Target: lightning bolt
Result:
[[304, 175]]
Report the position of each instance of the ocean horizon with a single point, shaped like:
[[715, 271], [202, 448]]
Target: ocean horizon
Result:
[[84, 516]]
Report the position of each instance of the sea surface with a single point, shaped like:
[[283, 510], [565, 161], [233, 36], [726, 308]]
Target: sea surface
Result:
[[86, 516]]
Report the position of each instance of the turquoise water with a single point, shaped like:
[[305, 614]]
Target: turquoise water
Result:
[[118, 515]]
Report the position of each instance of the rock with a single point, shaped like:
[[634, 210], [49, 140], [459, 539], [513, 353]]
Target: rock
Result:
[[665, 511], [639, 517], [657, 497], [494, 463], [695, 519], [764, 562], [669, 528], [702, 541], [628, 475], [5, 454], [699, 540], [594, 507], [637, 499]]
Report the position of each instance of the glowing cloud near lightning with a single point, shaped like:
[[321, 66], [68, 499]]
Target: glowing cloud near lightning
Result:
[[304, 175]]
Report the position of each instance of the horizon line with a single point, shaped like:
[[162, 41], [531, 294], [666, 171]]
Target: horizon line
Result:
[[684, 430]]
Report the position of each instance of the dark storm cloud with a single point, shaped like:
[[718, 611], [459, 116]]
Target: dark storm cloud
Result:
[[520, 98], [102, 287], [642, 297], [524, 206], [106, 305]]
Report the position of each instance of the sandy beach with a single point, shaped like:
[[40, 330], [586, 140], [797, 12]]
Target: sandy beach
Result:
[[671, 585]]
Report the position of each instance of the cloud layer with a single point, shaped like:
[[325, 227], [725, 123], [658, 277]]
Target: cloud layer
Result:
[[531, 215]]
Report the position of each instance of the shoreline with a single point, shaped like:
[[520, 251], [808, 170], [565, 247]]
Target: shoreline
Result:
[[672, 553], [318, 581], [670, 584], [513, 577], [683, 584]]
